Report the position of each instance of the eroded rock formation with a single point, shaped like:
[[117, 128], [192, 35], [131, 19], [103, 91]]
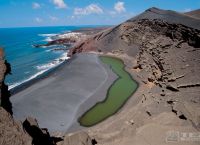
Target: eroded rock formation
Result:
[[28, 133], [163, 55], [11, 132]]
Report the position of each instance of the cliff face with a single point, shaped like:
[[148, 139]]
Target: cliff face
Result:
[[111, 39], [169, 16], [5, 94], [2, 66], [163, 56], [194, 14], [11, 132], [27, 133]]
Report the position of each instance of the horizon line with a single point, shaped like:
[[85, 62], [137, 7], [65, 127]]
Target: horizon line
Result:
[[57, 26]]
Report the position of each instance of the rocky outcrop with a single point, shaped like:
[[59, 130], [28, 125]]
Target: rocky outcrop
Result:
[[4, 93], [79, 138], [164, 56], [69, 39], [194, 14], [161, 49], [84, 46], [176, 26], [28, 133], [2, 66], [12, 132], [168, 16], [63, 41], [39, 136]]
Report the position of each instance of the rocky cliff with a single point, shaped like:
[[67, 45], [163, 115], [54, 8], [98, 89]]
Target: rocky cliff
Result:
[[11, 132], [194, 14], [110, 40], [3, 67], [161, 50], [5, 94]]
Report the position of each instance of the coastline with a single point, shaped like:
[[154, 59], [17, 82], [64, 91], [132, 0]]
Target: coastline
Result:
[[83, 32], [162, 57], [49, 86], [38, 78]]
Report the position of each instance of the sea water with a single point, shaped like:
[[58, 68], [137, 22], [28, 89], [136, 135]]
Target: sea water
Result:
[[28, 62]]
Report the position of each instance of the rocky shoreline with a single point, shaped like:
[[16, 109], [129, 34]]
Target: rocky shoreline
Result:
[[11, 131], [164, 58], [65, 90], [70, 38], [27, 132]]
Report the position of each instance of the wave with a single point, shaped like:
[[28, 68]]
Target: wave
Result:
[[49, 37], [75, 35], [42, 69], [24, 81], [66, 35], [48, 50], [54, 63]]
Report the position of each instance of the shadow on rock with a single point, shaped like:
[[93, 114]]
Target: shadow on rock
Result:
[[39, 136], [8, 68], [5, 98], [5, 93]]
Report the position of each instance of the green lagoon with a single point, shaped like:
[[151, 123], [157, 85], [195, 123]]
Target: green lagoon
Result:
[[118, 93]]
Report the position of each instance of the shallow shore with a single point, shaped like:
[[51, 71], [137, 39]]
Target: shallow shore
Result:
[[56, 100], [167, 70]]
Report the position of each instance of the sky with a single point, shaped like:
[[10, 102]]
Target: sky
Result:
[[33, 13]]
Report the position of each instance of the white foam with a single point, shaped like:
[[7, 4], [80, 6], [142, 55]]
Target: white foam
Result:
[[54, 63], [48, 50], [47, 35], [48, 65], [42, 68], [68, 35], [48, 39], [24, 81], [74, 35]]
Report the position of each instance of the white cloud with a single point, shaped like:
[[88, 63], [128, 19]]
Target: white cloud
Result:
[[38, 20], [60, 4], [53, 18], [36, 5], [119, 7], [90, 9]]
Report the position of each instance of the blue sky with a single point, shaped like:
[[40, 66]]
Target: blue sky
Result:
[[28, 13]]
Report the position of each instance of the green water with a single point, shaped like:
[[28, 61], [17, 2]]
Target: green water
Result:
[[117, 95]]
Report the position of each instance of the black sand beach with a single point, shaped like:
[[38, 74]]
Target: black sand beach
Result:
[[55, 100]]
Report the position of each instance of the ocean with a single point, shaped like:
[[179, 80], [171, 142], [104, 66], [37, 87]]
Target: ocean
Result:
[[28, 62]]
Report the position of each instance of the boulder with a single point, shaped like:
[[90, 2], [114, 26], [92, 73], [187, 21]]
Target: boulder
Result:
[[12, 132], [80, 138]]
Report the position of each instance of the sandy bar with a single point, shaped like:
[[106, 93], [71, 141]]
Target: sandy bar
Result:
[[58, 100]]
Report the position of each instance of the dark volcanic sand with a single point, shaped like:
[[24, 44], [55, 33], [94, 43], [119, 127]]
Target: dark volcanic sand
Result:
[[55, 100]]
